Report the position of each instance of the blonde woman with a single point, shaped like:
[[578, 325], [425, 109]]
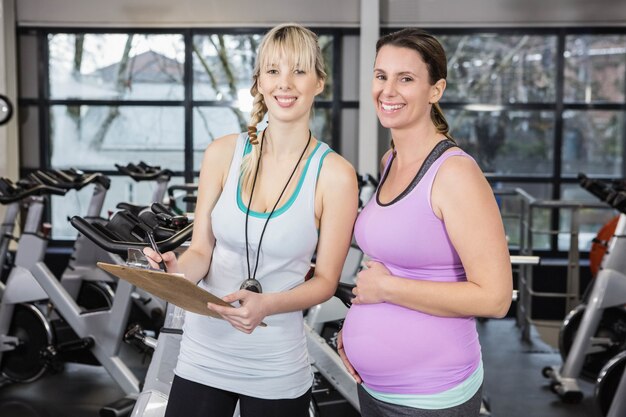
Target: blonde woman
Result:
[[266, 201]]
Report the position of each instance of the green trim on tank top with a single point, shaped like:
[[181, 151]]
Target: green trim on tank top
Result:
[[246, 150], [450, 398], [319, 168]]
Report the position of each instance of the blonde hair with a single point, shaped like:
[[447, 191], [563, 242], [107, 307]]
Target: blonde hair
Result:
[[300, 47]]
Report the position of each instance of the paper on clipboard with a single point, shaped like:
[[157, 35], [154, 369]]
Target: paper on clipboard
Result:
[[170, 287]]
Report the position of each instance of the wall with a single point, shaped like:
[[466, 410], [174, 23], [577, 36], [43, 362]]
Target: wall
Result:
[[187, 12], [482, 13], [320, 12], [8, 87]]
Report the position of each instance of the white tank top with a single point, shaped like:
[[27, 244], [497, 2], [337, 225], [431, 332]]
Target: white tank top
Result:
[[272, 362]]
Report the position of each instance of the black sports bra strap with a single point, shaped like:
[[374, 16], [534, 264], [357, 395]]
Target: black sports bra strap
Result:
[[434, 154]]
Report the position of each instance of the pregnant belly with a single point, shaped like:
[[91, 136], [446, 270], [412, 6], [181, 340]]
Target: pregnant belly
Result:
[[398, 350]]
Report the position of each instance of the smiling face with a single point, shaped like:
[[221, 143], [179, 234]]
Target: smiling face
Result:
[[289, 72], [288, 89], [401, 88]]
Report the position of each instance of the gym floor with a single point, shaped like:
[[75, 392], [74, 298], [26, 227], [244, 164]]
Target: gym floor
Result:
[[514, 385]]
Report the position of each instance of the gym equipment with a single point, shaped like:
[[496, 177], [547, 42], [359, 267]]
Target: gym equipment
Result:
[[11, 195], [600, 244], [188, 197], [595, 331], [15, 195], [90, 286], [153, 398], [83, 280], [367, 187], [85, 283], [41, 325], [144, 172], [610, 391]]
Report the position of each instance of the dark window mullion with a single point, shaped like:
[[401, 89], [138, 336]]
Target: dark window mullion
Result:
[[543, 179], [475, 106], [188, 103], [337, 82], [594, 106], [214, 103], [89, 102], [558, 133], [44, 93]]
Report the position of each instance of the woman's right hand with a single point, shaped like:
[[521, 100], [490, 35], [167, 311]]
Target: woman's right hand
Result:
[[154, 258], [344, 358]]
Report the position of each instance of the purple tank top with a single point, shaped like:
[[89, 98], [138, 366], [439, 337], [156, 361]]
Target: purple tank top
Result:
[[395, 349]]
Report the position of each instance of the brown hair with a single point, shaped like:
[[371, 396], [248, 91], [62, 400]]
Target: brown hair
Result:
[[300, 47], [433, 54]]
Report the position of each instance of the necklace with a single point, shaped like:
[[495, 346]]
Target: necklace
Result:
[[252, 284]]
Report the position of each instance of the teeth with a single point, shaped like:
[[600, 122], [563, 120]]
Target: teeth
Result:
[[285, 100], [390, 107]]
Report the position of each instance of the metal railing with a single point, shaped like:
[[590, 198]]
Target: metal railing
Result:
[[528, 207]]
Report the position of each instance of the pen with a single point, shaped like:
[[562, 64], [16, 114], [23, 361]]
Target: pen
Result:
[[156, 249]]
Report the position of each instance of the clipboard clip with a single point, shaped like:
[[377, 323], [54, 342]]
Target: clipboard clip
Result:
[[136, 259]]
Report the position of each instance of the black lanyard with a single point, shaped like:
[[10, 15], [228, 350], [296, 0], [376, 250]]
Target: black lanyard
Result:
[[252, 284]]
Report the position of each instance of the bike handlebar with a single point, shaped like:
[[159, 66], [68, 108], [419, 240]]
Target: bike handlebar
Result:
[[596, 187], [119, 247], [11, 192], [181, 187], [613, 194], [71, 179], [144, 172]]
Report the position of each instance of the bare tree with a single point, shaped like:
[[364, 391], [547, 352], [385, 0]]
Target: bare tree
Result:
[[222, 53], [74, 111], [122, 83]]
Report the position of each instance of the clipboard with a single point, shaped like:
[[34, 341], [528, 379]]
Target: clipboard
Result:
[[172, 288]]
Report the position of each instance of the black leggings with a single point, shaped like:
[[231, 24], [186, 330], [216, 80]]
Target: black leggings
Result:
[[190, 399]]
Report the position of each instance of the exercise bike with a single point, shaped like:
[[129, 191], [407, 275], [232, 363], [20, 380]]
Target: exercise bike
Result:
[[610, 389], [595, 331], [14, 195], [91, 287], [41, 325]]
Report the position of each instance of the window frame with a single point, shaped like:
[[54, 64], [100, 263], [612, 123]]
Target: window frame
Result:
[[555, 180]]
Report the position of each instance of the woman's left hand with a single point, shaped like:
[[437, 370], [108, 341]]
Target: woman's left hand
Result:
[[370, 282], [248, 315]]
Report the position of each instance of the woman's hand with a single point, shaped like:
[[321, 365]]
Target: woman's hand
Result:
[[344, 358], [171, 263], [248, 315], [370, 283]]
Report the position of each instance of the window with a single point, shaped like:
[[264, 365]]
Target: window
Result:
[[534, 107], [498, 68], [100, 97]]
